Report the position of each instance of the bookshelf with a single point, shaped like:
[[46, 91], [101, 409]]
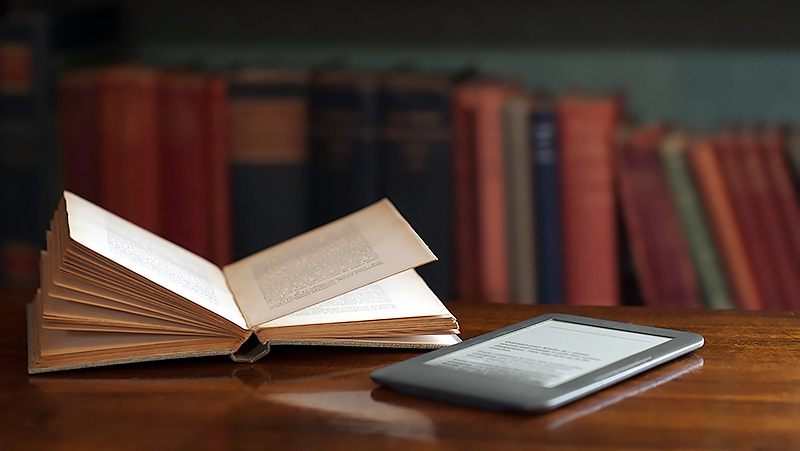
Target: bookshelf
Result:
[[694, 65]]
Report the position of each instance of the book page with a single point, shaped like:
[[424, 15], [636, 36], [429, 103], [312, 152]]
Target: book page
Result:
[[158, 260], [402, 295], [368, 245]]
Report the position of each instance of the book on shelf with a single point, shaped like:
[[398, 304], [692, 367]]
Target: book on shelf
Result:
[[129, 149], [664, 267], [547, 202], [784, 205], [519, 197], [725, 230], [194, 158], [344, 162], [759, 183], [29, 176], [79, 131], [792, 155], [731, 156], [484, 98], [35, 45], [112, 292], [467, 282], [779, 176], [415, 144], [587, 126], [704, 253], [162, 160], [268, 120]]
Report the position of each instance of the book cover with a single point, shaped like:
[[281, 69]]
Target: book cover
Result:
[[344, 161], [220, 202], [130, 178], [690, 211], [466, 276], [544, 136], [268, 119], [79, 132], [779, 180], [415, 144], [725, 229], [113, 292], [765, 200], [664, 267], [792, 155], [487, 100], [732, 160], [29, 160], [519, 190], [192, 159], [586, 129]]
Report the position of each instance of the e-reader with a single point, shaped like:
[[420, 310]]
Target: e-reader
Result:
[[538, 364]]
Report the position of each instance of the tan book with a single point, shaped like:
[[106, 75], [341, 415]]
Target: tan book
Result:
[[112, 292]]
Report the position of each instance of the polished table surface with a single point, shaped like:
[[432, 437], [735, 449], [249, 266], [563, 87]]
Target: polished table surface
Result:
[[741, 390]]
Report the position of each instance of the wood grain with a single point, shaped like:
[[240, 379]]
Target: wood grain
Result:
[[741, 390]]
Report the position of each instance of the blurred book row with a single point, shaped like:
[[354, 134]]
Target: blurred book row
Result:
[[524, 197]]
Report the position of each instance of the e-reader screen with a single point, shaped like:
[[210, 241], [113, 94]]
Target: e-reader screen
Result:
[[538, 364], [549, 353]]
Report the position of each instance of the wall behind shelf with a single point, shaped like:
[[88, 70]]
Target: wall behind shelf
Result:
[[699, 65]]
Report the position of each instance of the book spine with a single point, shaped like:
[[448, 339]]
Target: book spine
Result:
[[29, 162], [79, 114], [219, 176], [490, 190], [129, 145], [684, 193], [761, 183], [547, 203], [185, 160], [779, 176], [467, 281], [344, 162], [661, 255], [792, 155], [732, 161], [586, 130], [415, 124], [268, 114], [725, 229], [519, 190]]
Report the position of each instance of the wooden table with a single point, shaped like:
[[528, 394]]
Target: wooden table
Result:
[[741, 390]]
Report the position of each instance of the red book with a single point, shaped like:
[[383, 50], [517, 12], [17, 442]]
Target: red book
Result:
[[467, 282], [725, 228], [79, 116], [219, 177], [779, 180], [768, 212], [185, 150], [732, 159], [486, 102], [587, 127], [129, 144], [659, 245]]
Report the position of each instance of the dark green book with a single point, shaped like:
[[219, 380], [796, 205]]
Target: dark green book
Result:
[[690, 210]]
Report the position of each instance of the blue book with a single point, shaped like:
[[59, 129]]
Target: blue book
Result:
[[548, 214]]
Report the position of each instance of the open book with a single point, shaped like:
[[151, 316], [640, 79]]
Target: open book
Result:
[[112, 292]]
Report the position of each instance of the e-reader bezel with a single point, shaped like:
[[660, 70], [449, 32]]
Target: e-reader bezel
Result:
[[415, 377]]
